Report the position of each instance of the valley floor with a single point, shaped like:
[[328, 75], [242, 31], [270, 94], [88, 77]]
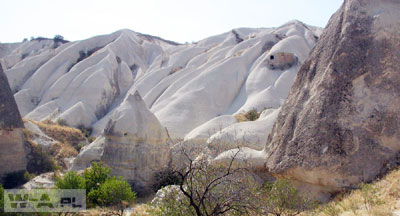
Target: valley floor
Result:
[[380, 198]]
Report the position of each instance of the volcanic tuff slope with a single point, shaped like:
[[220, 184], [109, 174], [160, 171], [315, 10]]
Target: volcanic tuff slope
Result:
[[185, 86]]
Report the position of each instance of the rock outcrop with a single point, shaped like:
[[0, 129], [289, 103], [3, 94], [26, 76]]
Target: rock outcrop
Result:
[[340, 124], [136, 145], [12, 152], [88, 154]]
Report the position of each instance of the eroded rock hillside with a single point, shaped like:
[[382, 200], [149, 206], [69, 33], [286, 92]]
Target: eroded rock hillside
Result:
[[193, 88]]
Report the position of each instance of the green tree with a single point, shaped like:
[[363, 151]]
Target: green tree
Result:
[[58, 38], [71, 180], [95, 177], [116, 193]]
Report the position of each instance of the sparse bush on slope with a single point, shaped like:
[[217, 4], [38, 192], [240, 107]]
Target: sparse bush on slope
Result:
[[40, 161], [252, 115], [71, 180], [101, 189]]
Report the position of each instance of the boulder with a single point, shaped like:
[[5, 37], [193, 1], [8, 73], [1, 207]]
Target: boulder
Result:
[[136, 145], [340, 124], [12, 152]]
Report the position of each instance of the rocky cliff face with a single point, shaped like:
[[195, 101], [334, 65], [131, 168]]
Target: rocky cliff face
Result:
[[136, 145], [340, 123], [12, 152]]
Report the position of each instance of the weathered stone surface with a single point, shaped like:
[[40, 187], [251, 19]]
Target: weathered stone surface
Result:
[[9, 115], [136, 145], [12, 152], [340, 124], [43, 181], [89, 154]]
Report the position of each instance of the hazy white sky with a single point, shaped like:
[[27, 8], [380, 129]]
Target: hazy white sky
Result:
[[177, 20]]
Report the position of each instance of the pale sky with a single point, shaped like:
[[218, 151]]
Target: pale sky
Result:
[[177, 20]]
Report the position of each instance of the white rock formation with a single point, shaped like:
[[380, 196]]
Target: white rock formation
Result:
[[204, 131], [250, 134], [88, 154], [185, 86], [136, 145]]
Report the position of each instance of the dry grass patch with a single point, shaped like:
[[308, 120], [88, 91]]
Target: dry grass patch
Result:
[[69, 140], [141, 210], [63, 134], [379, 198], [241, 117], [250, 115]]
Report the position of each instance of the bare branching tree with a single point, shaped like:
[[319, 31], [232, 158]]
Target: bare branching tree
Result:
[[214, 188], [225, 185]]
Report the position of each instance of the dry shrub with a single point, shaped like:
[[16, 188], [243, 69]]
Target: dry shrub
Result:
[[241, 117], [379, 198], [250, 115], [63, 134], [69, 140]]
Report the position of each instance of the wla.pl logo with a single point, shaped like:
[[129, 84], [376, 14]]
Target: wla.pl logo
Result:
[[44, 200]]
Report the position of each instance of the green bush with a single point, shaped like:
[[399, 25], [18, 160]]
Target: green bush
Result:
[[28, 176], [58, 38], [91, 139], [71, 180], [40, 161], [115, 191], [62, 122], [79, 146], [252, 115], [85, 131], [165, 178], [95, 176], [101, 188]]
